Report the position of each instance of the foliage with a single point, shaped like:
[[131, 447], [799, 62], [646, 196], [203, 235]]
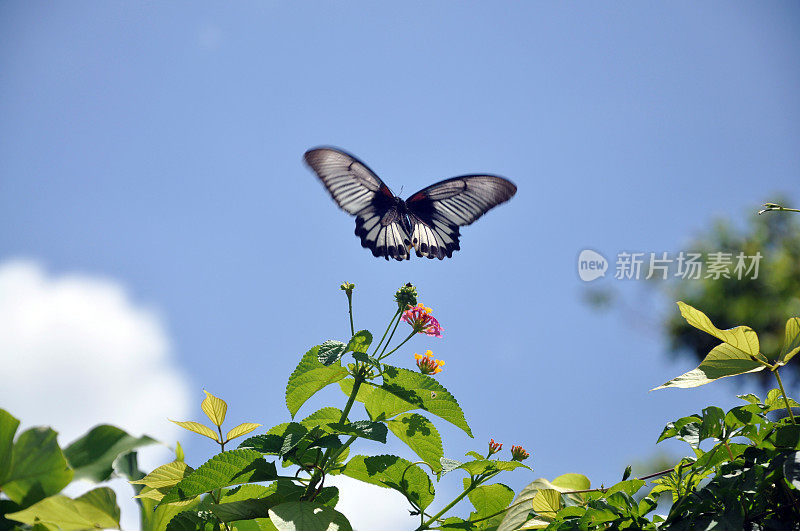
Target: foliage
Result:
[[34, 469], [762, 302], [742, 471], [244, 488]]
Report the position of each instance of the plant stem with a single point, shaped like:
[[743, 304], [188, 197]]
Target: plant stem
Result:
[[785, 398], [378, 346], [390, 338], [350, 310], [412, 334], [449, 506]]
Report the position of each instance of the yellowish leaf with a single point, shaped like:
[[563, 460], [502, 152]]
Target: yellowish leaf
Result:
[[241, 429], [197, 428], [214, 408]]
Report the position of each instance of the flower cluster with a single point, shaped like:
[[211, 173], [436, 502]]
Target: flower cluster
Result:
[[421, 320], [518, 453], [347, 287], [428, 365], [406, 296], [494, 447]]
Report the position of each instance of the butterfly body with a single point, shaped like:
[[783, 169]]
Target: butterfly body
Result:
[[389, 226]]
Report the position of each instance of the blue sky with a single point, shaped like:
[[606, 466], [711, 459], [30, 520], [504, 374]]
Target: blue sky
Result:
[[160, 145]]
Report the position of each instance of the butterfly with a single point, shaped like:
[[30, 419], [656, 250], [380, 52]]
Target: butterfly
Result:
[[428, 221]]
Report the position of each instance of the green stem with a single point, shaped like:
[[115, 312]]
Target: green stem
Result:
[[425, 525], [350, 310], [378, 346], [312, 484], [785, 398], [398, 346], [390, 338]]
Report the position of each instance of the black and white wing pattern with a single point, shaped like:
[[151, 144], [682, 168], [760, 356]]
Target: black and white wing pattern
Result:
[[358, 191], [436, 212]]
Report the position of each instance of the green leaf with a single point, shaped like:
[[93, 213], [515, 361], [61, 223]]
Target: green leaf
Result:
[[194, 521], [95, 509], [360, 342], [92, 455], [241, 429], [723, 360], [196, 427], [788, 436], [572, 481], [421, 436], [489, 499], [414, 391], [38, 467], [775, 401], [309, 377], [488, 466], [395, 473], [742, 338], [161, 480], [229, 468], [8, 427], [546, 503], [330, 352], [629, 487], [215, 408], [791, 469], [517, 514], [307, 516], [791, 340], [448, 465], [375, 431]]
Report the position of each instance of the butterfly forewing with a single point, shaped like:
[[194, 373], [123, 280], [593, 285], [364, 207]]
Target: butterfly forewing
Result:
[[358, 191], [436, 212]]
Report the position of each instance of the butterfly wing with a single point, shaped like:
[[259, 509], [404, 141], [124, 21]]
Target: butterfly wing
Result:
[[437, 212], [358, 191]]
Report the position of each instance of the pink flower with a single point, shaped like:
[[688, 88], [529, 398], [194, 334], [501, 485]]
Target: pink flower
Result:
[[421, 320]]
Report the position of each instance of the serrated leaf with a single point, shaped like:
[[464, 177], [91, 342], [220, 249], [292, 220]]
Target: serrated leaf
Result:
[[365, 358], [307, 516], [403, 390], [421, 436], [322, 417], [233, 467], [196, 427], [723, 360], [330, 352], [360, 342], [448, 465], [375, 431], [241, 429], [392, 472], [742, 338], [791, 340], [215, 408], [96, 509], [309, 377], [489, 499], [38, 467], [488, 466], [194, 521], [167, 475], [92, 455]]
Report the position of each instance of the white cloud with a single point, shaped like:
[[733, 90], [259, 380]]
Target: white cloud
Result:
[[369, 507], [76, 351]]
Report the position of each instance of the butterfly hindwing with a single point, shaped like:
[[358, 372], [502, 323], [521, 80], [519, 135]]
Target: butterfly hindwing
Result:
[[359, 191], [437, 212]]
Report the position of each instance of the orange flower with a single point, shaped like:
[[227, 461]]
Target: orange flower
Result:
[[518, 453], [428, 365]]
